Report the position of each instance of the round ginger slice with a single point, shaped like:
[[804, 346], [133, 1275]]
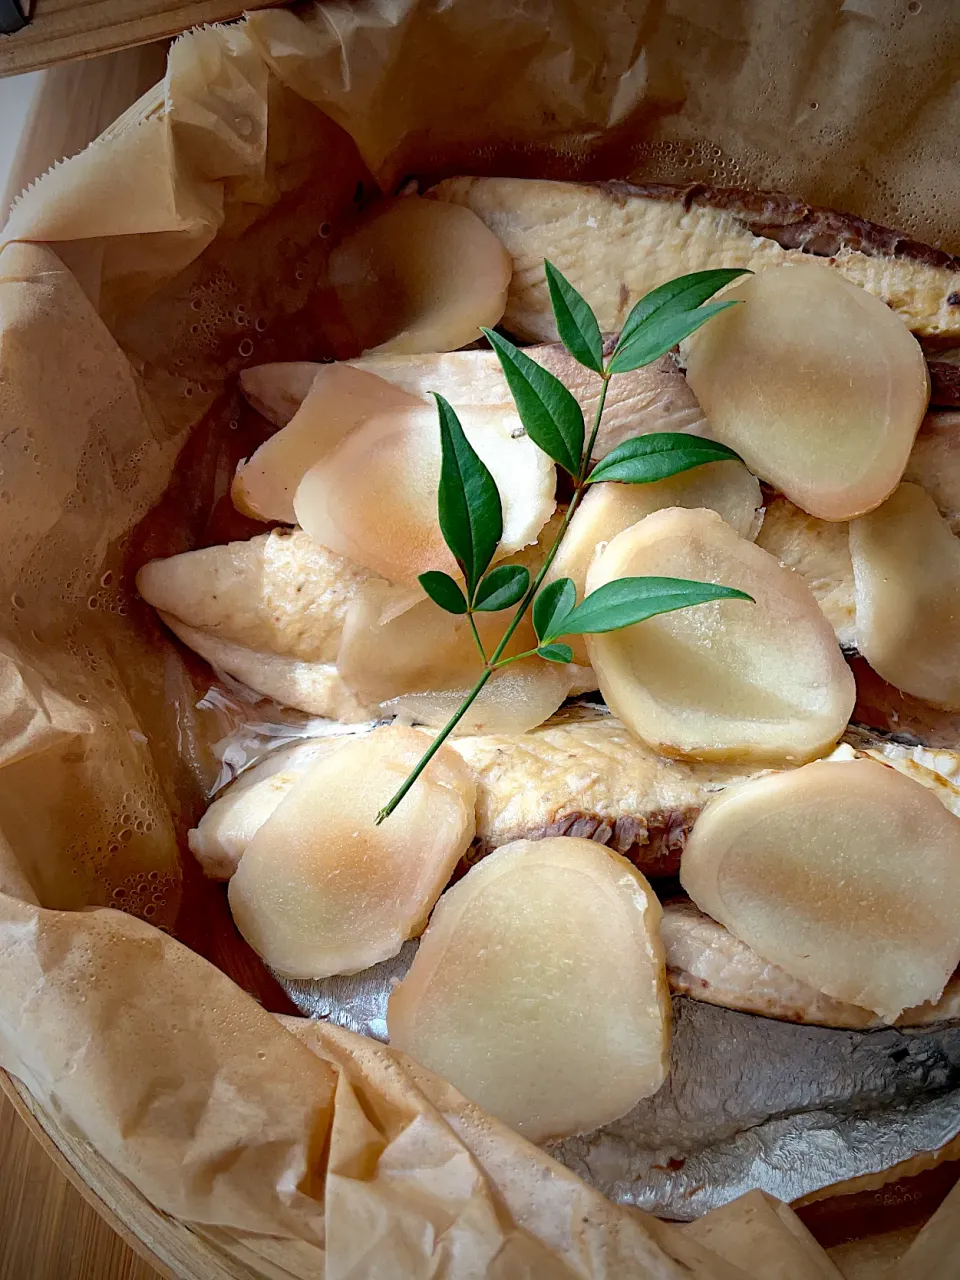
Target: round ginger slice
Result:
[[816, 383], [906, 572], [340, 398], [515, 699], [539, 988], [726, 680], [321, 889], [420, 276], [390, 647], [846, 874], [376, 494], [607, 509]]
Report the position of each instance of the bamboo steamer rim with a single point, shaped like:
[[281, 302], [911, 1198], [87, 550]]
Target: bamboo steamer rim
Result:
[[178, 1252]]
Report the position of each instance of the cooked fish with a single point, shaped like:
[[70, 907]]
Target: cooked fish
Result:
[[707, 962], [615, 242], [280, 593], [314, 687], [654, 398]]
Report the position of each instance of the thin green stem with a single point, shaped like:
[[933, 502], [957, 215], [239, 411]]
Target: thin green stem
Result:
[[435, 746], [580, 481], [476, 635]]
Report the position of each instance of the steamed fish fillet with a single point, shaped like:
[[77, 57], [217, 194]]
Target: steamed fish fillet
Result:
[[314, 687], [581, 774], [708, 963], [280, 592], [654, 398], [615, 242]]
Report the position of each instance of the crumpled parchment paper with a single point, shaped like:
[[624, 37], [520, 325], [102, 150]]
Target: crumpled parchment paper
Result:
[[136, 279]]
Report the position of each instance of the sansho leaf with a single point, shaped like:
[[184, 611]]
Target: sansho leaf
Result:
[[630, 600], [655, 338], [576, 323], [468, 502], [686, 293], [552, 605], [551, 416], [443, 590], [657, 456], [556, 652], [501, 587]]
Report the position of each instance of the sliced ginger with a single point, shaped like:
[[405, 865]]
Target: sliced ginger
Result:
[[391, 647], [727, 680], [374, 498], [515, 699], [539, 988], [906, 568], [339, 399], [817, 385], [607, 509], [321, 889], [417, 276], [846, 874]]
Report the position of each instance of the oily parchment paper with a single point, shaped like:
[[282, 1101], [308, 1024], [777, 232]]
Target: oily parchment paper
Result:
[[136, 279]]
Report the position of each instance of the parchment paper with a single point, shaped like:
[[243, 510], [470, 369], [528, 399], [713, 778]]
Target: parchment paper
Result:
[[135, 280]]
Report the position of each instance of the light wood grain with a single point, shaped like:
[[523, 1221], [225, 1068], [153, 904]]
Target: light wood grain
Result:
[[47, 1230], [65, 29]]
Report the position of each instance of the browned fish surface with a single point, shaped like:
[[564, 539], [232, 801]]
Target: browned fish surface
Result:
[[615, 242], [708, 963]]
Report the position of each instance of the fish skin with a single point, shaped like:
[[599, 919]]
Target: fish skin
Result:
[[706, 962], [615, 242], [279, 592]]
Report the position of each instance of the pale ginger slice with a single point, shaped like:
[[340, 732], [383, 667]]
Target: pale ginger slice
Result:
[[845, 874], [220, 837], [819, 551], [314, 687], [279, 592], [726, 680], [816, 384], [607, 509], [655, 397], [539, 991], [419, 276], [391, 647], [516, 698], [338, 399], [707, 963], [615, 242], [906, 568], [374, 498], [321, 889], [935, 464]]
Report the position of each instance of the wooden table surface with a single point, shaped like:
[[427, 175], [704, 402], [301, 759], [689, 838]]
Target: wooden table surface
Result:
[[47, 1230]]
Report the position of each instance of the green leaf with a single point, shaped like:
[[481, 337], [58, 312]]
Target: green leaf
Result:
[[556, 652], [686, 293], [468, 502], [658, 455], [552, 605], [444, 591], [576, 323], [551, 416], [655, 338], [501, 587], [631, 600]]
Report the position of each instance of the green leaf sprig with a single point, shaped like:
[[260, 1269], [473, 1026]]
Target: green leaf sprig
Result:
[[468, 502]]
